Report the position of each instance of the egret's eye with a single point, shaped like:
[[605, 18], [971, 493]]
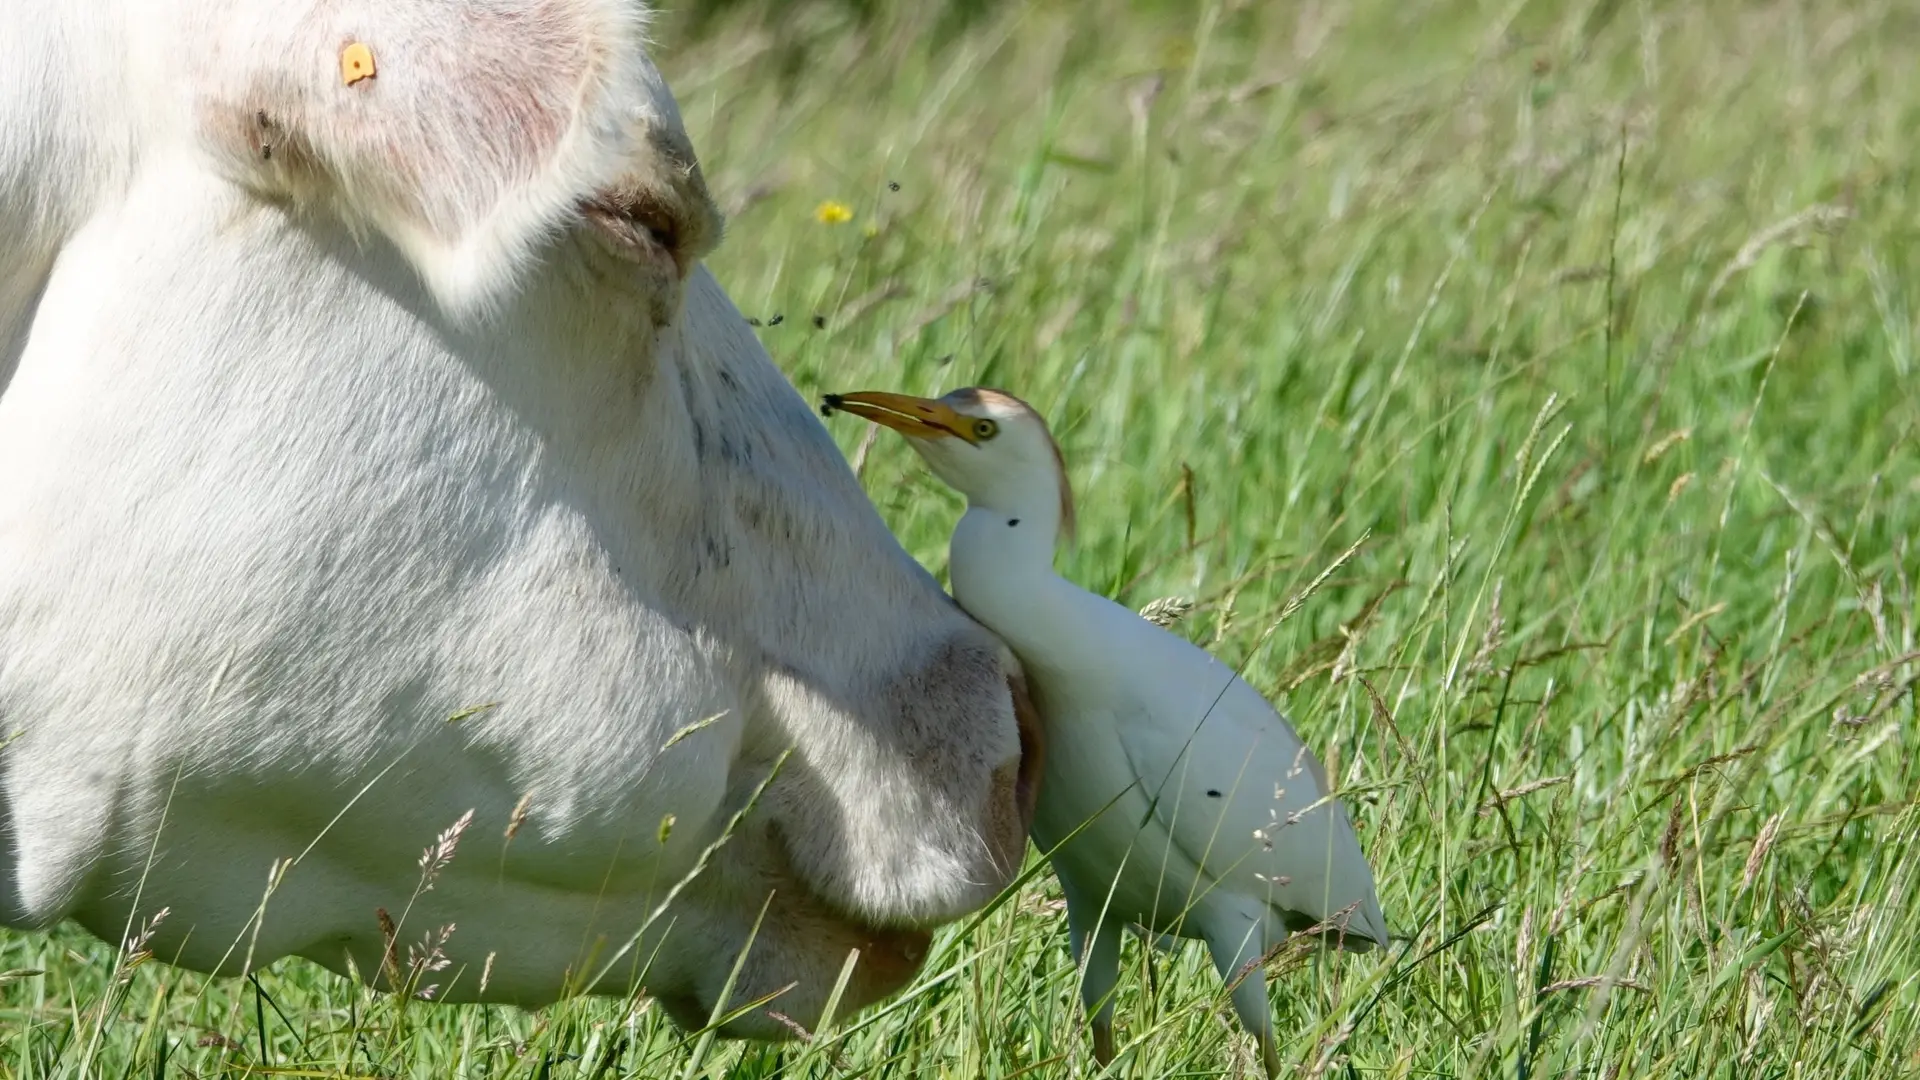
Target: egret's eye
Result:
[[985, 429]]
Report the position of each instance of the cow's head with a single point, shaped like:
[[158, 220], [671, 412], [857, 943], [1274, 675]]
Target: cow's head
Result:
[[382, 375]]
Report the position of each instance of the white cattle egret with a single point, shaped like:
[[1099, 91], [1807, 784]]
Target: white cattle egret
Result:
[[1209, 817]]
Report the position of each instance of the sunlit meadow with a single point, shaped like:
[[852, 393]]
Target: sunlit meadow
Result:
[[1524, 393]]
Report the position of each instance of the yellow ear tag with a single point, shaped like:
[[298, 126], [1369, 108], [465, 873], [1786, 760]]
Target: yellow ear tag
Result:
[[356, 63]]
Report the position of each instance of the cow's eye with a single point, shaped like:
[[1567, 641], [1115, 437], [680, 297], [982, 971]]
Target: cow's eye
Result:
[[985, 429]]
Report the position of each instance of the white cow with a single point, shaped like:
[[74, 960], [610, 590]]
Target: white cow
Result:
[[358, 367]]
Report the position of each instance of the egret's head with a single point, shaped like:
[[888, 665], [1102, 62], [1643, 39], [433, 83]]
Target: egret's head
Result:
[[988, 445]]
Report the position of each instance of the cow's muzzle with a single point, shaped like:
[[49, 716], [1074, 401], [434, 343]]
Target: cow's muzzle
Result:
[[661, 215]]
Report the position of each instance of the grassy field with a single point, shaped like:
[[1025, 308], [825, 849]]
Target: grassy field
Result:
[[1588, 328]]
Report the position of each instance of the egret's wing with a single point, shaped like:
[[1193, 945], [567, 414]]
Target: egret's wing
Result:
[[1242, 798]]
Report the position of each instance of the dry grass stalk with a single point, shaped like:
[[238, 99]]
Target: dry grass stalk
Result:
[[1670, 839], [1501, 798], [1761, 845], [1490, 641], [1819, 216], [519, 815], [435, 858], [390, 954], [1167, 610], [427, 957], [1589, 981], [134, 951]]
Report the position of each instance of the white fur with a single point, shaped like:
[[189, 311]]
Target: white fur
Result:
[[277, 500]]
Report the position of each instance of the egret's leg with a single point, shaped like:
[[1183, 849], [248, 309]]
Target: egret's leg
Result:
[[1096, 948], [1154, 941], [1236, 947]]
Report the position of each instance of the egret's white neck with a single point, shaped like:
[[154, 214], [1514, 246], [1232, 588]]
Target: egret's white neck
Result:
[[1001, 566]]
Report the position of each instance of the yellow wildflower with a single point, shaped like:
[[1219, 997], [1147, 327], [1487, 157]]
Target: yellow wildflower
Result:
[[833, 212]]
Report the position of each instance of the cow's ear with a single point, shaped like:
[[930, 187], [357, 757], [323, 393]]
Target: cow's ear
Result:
[[466, 133]]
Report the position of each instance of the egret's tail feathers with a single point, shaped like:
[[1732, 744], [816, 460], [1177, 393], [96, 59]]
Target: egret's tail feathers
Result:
[[1352, 898], [1357, 927], [1367, 923]]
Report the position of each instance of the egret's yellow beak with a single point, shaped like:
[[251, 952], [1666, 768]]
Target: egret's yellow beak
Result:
[[919, 418]]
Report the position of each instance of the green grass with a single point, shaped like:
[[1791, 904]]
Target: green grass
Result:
[[1594, 322]]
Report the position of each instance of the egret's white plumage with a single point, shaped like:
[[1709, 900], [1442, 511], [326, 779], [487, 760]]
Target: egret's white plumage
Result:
[[1217, 823]]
